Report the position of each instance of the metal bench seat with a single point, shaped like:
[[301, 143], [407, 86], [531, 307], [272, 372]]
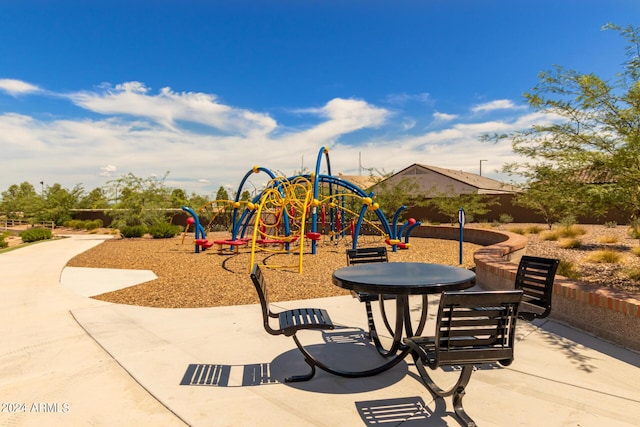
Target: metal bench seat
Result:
[[472, 328], [290, 321]]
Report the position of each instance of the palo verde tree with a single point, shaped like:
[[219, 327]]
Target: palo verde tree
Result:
[[586, 157], [448, 203], [139, 201]]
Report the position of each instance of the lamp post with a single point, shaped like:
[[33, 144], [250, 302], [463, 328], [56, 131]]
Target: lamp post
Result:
[[481, 166]]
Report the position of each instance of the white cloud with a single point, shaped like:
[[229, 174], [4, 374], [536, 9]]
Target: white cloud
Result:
[[343, 116], [108, 170], [499, 104], [443, 117], [17, 87], [148, 134], [169, 107]]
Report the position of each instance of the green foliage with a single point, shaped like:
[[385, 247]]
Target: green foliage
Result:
[[611, 224], [636, 250], [163, 230], [35, 234], [140, 201], [391, 194], [584, 156], [505, 218], [448, 203], [58, 202], [3, 243], [568, 270], [93, 224], [20, 202], [222, 194], [133, 231], [96, 199], [90, 224]]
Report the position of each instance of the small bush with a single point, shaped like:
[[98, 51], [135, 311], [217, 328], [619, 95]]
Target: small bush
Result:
[[611, 224], [505, 218], [93, 224], [572, 231], [534, 229], [163, 230], [132, 231], [568, 270], [568, 221], [517, 230], [636, 250], [634, 273], [551, 235], [634, 232], [35, 234], [3, 243], [569, 243], [608, 239], [606, 256]]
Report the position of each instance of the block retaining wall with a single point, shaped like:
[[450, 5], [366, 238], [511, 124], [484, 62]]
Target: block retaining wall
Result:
[[607, 313]]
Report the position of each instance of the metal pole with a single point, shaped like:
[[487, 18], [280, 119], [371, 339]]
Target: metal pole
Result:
[[481, 166]]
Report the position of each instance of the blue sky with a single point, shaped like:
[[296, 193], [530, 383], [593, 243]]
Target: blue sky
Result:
[[205, 90]]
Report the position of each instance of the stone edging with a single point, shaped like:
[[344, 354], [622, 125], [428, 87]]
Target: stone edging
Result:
[[607, 313]]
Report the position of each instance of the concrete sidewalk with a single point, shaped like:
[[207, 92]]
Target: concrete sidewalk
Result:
[[71, 360]]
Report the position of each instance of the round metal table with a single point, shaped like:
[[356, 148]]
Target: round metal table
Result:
[[401, 279]]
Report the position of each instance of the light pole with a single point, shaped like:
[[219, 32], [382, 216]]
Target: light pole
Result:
[[481, 166]]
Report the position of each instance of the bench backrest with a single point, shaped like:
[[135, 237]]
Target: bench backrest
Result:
[[366, 255], [535, 277], [261, 288], [476, 327]]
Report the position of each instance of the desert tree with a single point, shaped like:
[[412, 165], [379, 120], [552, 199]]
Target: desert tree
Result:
[[585, 158]]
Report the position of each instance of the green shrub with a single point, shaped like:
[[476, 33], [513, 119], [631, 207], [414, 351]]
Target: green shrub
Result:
[[3, 243], [636, 250], [131, 231], [163, 230], [534, 229], [505, 218], [611, 224], [568, 270], [35, 234], [568, 221], [93, 224]]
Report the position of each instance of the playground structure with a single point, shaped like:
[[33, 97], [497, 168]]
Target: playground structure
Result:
[[289, 211]]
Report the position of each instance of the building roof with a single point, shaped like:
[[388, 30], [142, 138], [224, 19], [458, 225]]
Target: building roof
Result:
[[362, 181], [482, 183]]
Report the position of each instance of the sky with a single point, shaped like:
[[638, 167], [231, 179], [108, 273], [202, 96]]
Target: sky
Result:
[[206, 90]]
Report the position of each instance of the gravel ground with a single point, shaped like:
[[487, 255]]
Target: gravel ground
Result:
[[187, 279], [208, 279]]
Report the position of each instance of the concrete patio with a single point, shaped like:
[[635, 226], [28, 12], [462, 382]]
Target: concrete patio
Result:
[[67, 359]]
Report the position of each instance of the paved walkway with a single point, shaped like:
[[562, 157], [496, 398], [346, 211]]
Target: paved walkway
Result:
[[67, 359]]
